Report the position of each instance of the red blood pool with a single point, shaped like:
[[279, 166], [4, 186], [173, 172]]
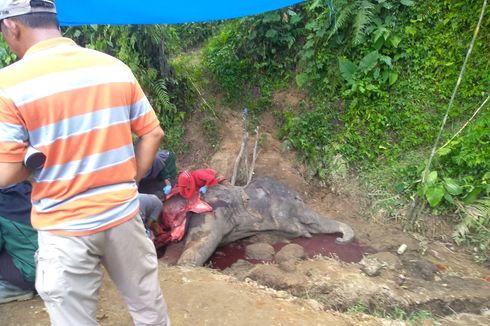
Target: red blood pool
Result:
[[318, 244]]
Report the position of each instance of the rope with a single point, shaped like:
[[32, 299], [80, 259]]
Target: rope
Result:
[[467, 122], [458, 83]]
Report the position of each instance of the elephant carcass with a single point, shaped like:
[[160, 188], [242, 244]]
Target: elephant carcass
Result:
[[263, 206]]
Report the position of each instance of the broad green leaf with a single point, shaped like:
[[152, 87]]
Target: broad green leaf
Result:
[[312, 25], [393, 77], [347, 69], [452, 186], [295, 19], [444, 151], [432, 177], [308, 54], [472, 196], [410, 30], [379, 44], [395, 40], [400, 187], [486, 176], [386, 59], [408, 3], [448, 198], [380, 32], [271, 17], [385, 75], [369, 61], [301, 79], [309, 44], [271, 33], [434, 195]]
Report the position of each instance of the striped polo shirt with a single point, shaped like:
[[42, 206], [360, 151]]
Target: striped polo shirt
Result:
[[79, 107]]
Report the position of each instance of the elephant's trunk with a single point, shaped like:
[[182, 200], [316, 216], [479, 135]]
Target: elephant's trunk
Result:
[[347, 233]]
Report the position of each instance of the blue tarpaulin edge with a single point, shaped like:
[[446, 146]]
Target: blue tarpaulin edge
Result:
[[119, 12]]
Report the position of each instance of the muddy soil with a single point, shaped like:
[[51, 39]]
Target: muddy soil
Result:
[[431, 275]]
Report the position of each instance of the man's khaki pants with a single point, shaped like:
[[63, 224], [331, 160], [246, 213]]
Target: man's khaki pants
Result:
[[69, 274]]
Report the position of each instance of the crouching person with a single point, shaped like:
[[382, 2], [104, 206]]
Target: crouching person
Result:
[[18, 244], [150, 209]]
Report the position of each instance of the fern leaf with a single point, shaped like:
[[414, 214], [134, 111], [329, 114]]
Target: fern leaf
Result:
[[343, 18], [362, 19]]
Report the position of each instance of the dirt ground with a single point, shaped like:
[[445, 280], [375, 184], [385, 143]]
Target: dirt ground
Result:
[[431, 275]]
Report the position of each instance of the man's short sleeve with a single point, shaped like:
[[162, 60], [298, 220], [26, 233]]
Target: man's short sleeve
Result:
[[13, 134], [143, 117]]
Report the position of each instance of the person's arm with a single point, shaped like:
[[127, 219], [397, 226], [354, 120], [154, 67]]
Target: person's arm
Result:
[[145, 151], [13, 144], [12, 173]]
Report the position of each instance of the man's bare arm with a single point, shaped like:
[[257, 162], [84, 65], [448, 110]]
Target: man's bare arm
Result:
[[12, 173], [145, 151]]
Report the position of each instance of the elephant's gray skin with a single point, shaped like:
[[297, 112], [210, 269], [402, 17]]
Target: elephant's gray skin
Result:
[[264, 205]]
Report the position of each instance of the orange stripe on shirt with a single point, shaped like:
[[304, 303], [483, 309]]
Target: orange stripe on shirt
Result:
[[145, 124], [60, 190], [12, 152], [92, 206], [76, 102], [77, 147]]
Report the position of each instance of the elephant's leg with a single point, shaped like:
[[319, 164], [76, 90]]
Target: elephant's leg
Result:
[[206, 232]]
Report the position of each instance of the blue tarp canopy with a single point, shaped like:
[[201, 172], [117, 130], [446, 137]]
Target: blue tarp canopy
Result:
[[85, 12]]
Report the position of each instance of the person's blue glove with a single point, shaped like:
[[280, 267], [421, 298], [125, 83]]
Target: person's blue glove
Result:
[[167, 189], [203, 189]]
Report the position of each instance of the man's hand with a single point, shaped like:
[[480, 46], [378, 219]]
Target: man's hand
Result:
[[145, 151]]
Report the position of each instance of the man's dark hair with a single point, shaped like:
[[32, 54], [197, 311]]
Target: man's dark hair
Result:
[[38, 20]]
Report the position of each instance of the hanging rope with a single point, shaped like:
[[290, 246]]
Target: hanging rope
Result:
[[418, 205], [458, 83], [467, 122]]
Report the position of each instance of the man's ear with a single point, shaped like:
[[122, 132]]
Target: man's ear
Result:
[[11, 29]]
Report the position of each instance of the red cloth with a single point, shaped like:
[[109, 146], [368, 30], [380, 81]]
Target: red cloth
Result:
[[190, 182]]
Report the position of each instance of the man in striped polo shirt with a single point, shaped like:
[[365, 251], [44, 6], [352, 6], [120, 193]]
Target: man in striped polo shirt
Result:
[[79, 107]]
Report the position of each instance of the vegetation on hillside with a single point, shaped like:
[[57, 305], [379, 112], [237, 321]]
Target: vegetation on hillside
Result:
[[378, 73]]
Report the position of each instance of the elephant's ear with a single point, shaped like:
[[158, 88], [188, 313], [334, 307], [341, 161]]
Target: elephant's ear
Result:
[[196, 205]]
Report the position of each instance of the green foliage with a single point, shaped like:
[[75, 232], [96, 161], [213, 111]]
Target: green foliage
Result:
[[396, 313], [467, 159], [473, 228], [357, 309], [193, 35], [6, 56], [309, 133], [222, 61], [418, 317], [145, 49], [250, 49], [210, 126], [390, 110]]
